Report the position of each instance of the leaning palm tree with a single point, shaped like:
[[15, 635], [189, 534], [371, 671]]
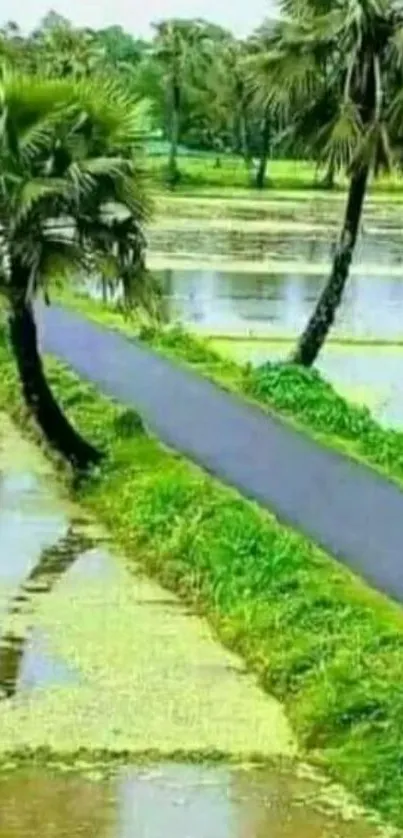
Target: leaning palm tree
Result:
[[343, 58], [71, 200]]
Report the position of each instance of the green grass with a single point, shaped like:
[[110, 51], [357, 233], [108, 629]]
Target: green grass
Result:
[[302, 397], [202, 173], [317, 637]]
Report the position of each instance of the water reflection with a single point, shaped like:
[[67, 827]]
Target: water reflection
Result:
[[171, 802], [24, 660], [383, 248], [228, 302]]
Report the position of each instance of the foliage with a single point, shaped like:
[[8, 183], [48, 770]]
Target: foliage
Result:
[[337, 660], [72, 193], [290, 77], [321, 59]]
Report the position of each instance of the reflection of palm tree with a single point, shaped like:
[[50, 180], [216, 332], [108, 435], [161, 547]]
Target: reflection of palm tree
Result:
[[52, 564]]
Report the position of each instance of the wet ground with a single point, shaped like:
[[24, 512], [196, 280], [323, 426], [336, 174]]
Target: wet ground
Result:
[[97, 660]]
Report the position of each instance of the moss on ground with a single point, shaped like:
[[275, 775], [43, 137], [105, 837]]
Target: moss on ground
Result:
[[319, 639]]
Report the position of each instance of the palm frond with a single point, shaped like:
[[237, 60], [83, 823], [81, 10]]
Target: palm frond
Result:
[[72, 191], [342, 137]]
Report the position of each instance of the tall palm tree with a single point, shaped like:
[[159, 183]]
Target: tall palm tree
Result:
[[259, 46], [230, 83], [179, 48], [340, 55], [71, 199]]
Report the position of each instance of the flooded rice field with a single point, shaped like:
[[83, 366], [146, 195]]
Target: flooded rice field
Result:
[[105, 677], [248, 269]]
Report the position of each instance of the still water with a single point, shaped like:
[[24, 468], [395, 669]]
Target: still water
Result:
[[172, 801], [96, 662], [247, 269], [227, 302]]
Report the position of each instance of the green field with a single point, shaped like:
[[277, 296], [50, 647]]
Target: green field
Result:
[[202, 173]]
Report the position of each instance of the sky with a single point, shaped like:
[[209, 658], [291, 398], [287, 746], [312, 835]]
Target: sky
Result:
[[136, 15]]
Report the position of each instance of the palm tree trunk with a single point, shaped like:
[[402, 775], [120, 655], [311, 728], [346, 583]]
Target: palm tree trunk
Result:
[[244, 140], [104, 287], [328, 180], [173, 171], [324, 314], [37, 394], [264, 154]]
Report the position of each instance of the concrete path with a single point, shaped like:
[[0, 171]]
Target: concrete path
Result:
[[98, 658], [346, 508]]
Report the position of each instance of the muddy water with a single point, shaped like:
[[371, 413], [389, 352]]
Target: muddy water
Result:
[[96, 660], [172, 801]]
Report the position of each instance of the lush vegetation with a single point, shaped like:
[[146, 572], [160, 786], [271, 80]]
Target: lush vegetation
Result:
[[324, 83], [317, 637]]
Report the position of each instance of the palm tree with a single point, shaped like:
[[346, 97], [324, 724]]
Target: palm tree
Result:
[[259, 48], [229, 80], [341, 55], [179, 48], [62, 50], [71, 199]]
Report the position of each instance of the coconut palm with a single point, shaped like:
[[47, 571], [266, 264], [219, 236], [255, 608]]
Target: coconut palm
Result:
[[332, 71], [71, 200]]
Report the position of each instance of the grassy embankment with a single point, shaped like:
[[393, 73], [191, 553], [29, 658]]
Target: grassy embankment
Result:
[[302, 397], [318, 638], [201, 173]]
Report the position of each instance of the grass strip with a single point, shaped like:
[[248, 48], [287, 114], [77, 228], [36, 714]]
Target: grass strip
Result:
[[318, 638]]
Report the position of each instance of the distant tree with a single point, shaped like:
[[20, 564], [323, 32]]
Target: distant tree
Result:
[[180, 49], [63, 50]]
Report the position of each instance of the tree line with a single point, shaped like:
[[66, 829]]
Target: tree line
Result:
[[324, 82]]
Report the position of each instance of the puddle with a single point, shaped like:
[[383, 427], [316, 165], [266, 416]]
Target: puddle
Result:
[[38, 543], [28, 664], [173, 801]]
